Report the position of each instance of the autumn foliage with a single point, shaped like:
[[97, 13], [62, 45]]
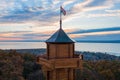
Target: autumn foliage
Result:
[[22, 66]]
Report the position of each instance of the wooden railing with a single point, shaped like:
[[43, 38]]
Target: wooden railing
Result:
[[52, 64]]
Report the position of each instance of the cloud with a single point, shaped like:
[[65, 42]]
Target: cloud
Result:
[[9, 38], [89, 32], [95, 34], [68, 2], [45, 13], [29, 35], [14, 32], [91, 5], [108, 12], [113, 11], [103, 15], [93, 8], [20, 11], [98, 5]]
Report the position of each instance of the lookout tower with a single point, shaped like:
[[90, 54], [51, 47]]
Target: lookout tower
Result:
[[60, 62]]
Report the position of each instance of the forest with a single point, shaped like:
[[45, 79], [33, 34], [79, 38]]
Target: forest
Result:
[[16, 65]]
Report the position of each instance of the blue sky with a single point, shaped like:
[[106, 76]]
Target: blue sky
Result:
[[38, 19]]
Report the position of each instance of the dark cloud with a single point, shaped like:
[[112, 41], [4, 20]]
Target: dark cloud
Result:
[[35, 35], [108, 37], [96, 30]]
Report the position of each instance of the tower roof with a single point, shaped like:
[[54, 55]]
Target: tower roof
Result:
[[60, 37]]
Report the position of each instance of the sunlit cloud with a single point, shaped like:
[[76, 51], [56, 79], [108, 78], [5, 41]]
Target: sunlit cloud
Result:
[[113, 11], [7, 34], [9, 39], [103, 15], [68, 2]]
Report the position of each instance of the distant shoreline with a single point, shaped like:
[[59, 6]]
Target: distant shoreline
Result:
[[99, 41], [115, 41]]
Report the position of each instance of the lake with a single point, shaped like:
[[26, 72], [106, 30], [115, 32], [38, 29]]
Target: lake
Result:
[[111, 48]]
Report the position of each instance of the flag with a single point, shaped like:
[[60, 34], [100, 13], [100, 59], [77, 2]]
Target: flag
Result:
[[62, 11]]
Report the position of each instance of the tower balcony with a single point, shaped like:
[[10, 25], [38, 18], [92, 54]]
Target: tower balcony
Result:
[[52, 64]]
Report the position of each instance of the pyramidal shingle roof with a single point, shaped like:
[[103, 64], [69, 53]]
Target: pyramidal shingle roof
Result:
[[60, 37]]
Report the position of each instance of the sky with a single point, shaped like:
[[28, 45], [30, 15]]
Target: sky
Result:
[[39, 19]]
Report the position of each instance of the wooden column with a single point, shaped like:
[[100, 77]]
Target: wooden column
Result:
[[60, 51]]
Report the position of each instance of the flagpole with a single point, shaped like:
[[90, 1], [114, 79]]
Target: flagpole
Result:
[[60, 18]]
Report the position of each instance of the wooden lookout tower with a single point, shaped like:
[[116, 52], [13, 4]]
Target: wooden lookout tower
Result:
[[60, 62]]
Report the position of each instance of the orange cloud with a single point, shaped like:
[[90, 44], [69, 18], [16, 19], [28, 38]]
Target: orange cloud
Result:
[[6, 34], [10, 38]]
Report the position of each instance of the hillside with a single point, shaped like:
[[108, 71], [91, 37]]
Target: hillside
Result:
[[16, 65]]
